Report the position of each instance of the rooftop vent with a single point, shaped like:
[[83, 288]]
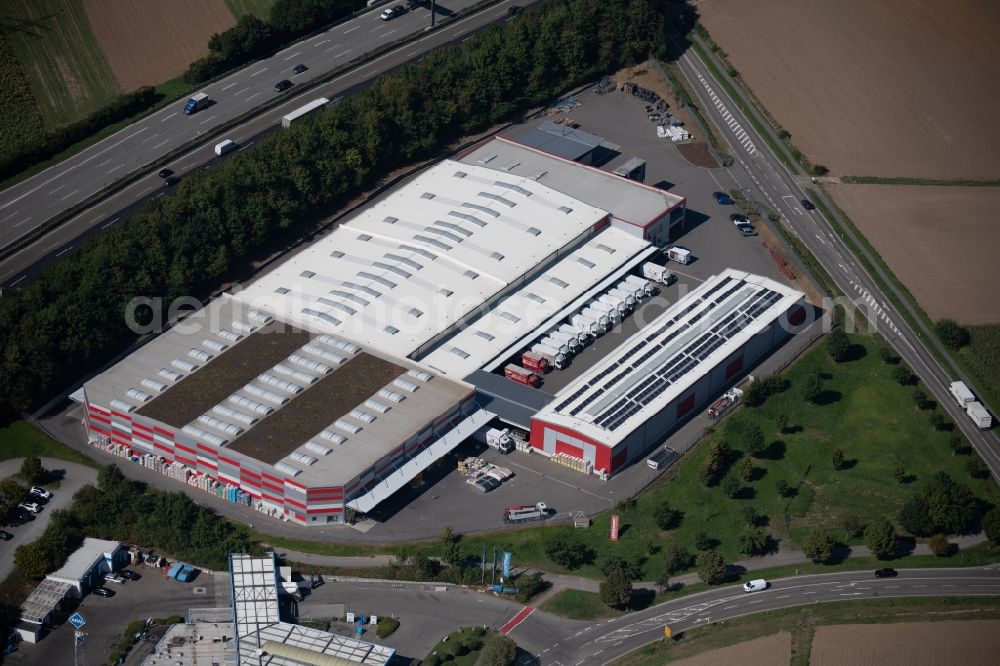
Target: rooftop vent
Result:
[[170, 374], [264, 394], [199, 354], [226, 334], [121, 405], [285, 468], [317, 448], [347, 426], [136, 394], [153, 384], [399, 382], [222, 410], [419, 374], [376, 406], [362, 415], [334, 437], [252, 405], [389, 394], [181, 364], [302, 458]]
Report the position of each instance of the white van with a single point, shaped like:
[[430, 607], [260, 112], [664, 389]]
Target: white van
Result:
[[226, 146], [755, 585]]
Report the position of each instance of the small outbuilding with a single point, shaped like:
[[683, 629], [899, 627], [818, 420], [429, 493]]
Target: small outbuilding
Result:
[[85, 568]]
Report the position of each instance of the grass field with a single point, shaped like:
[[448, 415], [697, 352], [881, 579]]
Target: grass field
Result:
[[470, 638], [19, 439], [62, 61], [802, 622], [982, 358], [259, 8], [22, 122], [579, 605]]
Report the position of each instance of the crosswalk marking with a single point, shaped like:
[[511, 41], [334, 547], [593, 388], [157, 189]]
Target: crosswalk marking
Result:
[[741, 134]]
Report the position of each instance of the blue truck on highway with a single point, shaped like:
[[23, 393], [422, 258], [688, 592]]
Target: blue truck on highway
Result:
[[196, 103]]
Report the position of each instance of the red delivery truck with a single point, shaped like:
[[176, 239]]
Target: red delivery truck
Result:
[[521, 375], [535, 362]]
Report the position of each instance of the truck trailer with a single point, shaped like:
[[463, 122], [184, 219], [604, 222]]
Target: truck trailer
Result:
[[626, 294], [556, 359], [585, 323], [681, 255], [558, 345], [615, 302], [569, 339], [303, 112], [196, 103], [581, 334], [525, 513], [535, 362], [979, 415], [961, 393], [521, 375]]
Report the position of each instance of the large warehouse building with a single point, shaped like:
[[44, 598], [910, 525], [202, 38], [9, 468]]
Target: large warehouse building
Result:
[[333, 380]]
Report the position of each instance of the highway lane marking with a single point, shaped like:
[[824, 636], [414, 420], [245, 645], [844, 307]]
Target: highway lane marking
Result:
[[104, 162], [321, 43], [259, 71], [68, 195], [65, 251], [209, 119], [171, 115], [160, 144], [22, 221], [115, 168], [757, 602], [159, 195], [467, 38], [110, 223], [18, 280], [353, 29], [14, 214], [728, 607], [240, 92], [386, 34], [234, 83], [342, 53], [546, 650], [254, 95], [56, 190], [150, 138], [246, 146], [293, 55], [784, 596]]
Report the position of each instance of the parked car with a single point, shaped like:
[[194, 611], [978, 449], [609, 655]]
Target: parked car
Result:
[[755, 585], [722, 199], [23, 515], [392, 12], [113, 578], [885, 573], [5, 536], [746, 230], [40, 492], [163, 173], [413, 4], [104, 592], [282, 85], [739, 219], [129, 575], [808, 205], [486, 484], [30, 506], [298, 69]]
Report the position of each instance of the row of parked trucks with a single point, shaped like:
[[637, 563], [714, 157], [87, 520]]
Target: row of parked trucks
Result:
[[554, 349], [973, 408]]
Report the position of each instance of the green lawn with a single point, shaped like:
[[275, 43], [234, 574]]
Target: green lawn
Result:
[[471, 638], [259, 8], [22, 123], [62, 61], [20, 438], [579, 605]]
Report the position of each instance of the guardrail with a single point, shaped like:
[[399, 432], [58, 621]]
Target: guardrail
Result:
[[58, 220]]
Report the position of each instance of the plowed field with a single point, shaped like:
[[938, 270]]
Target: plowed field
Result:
[[889, 88], [147, 42], [773, 650], [970, 643]]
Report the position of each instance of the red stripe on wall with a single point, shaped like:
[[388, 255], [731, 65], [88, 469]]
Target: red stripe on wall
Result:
[[205, 449], [294, 503], [103, 419], [184, 447], [228, 461], [165, 449], [142, 435], [321, 511], [161, 431], [136, 424]]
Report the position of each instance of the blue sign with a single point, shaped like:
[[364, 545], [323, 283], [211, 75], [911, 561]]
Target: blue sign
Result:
[[506, 564], [77, 620]]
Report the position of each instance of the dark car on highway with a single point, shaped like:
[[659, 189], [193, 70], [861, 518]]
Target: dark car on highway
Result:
[[164, 173], [170, 181], [5, 536], [722, 199], [282, 85], [885, 573], [808, 205], [104, 592], [298, 69]]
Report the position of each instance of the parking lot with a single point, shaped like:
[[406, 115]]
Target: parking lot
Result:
[[149, 597]]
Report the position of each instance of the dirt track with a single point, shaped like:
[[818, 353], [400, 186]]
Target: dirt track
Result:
[[969, 643], [148, 42], [941, 242], [773, 650], [888, 88]]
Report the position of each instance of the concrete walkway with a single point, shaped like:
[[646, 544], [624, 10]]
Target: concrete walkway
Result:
[[74, 477]]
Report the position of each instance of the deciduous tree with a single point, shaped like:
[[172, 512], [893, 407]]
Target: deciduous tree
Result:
[[616, 590], [880, 537], [712, 567], [818, 546]]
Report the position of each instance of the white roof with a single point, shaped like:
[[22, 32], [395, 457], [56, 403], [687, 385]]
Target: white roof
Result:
[[530, 306], [400, 272], [83, 559], [286, 644], [662, 360], [255, 592]]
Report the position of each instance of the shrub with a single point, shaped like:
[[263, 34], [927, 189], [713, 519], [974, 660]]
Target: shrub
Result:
[[665, 517], [951, 334], [731, 486], [460, 649], [812, 387], [712, 567], [501, 651], [32, 470], [702, 541], [880, 537], [616, 591], [939, 545], [752, 440], [784, 488], [565, 552], [991, 525], [676, 559], [529, 586], [818, 546], [838, 459], [976, 468], [632, 568], [900, 474], [431, 660], [887, 355], [902, 375], [386, 626], [753, 541], [781, 420], [838, 345], [745, 469], [920, 399], [940, 505]]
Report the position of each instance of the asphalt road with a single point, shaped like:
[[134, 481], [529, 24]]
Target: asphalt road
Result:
[[73, 477], [757, 168], [603, 642], [31, 203]]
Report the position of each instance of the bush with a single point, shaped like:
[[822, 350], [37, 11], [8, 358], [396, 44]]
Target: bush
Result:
[[731, 486], [715, 463], [818, 546], [880, 537], [838, 459], [752, 440], [812, 387], [665, 517], [784, 488], [902, 375], [676, 559], [712, 567], [887, 355], [32, 471], [939, 545], [976, 468], [951, 334], [838, 345], [460, 649], [632, 568], [745, 469], [753, 541], [616, 591], [565, 552], [431, 660], [386, 626], [991, 525], [501, 651]]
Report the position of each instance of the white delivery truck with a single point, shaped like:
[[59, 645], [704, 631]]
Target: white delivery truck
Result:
[[558, 345], [570, 339], [657, 273], [600, 317], [500, 440], [610, 311], [641, 283], [626, 295], [555, 358], [582, 335], [303, 112], [224, 147], [979, 415], [585, 323], [638, 293], [681, 255], [961, 393], [525, 513], [615, 302]]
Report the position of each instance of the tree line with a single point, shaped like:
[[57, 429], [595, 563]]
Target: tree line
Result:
[[71, 318]]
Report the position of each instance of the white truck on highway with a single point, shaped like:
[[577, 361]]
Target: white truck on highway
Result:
[[974, 409], [303, 112]]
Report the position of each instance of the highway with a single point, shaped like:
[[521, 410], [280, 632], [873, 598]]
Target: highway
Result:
[[602, 642], [30, 204], [757, 168]]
